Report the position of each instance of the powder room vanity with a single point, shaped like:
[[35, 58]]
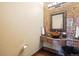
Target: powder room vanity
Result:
[[54, 44], [48, 43]]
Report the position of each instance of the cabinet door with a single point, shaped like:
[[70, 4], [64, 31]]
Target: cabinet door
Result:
[[62, 42], [49, 41], [44, 39]]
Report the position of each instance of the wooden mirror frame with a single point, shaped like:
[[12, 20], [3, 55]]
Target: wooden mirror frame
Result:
[[64, 22]]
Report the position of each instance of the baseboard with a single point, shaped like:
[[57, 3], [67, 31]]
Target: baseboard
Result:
[[37, 52]]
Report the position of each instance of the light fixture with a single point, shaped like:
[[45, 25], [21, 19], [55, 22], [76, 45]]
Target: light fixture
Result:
[[55, 4]]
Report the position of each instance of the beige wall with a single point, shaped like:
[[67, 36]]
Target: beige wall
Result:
[[20, 24]]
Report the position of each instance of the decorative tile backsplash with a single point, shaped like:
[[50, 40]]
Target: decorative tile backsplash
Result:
[[70, 28], [71, 25], [77, 21]]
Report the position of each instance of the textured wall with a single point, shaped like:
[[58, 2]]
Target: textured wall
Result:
[[71, 9]]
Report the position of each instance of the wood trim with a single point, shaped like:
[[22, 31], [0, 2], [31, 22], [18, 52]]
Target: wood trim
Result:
[[37, 52]]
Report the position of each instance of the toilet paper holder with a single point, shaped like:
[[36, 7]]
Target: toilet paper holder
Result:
[[24, 46]]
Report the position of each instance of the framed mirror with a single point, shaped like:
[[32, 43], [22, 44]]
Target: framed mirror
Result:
[[58, 22]]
